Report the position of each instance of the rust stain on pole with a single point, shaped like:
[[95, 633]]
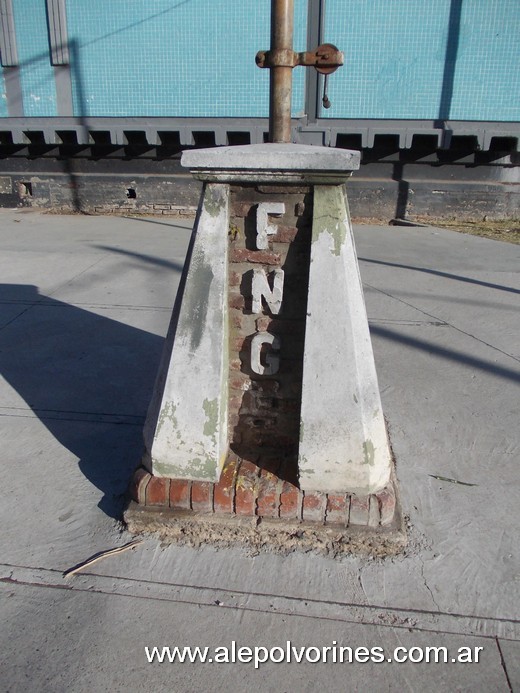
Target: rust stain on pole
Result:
[[281, 59], [280, 93]]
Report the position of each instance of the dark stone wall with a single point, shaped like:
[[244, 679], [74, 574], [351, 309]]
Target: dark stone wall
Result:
[[391, 183]]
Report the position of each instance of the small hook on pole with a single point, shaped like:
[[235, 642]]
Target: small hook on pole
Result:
[[325, 100]]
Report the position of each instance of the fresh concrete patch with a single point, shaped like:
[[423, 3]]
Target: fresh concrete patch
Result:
[[263, 534]]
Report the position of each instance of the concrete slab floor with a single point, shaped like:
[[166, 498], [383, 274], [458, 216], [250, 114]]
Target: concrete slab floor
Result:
[[84, 304]]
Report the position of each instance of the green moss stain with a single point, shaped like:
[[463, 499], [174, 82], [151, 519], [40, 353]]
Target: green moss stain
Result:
[[302, 431], [162, 469], [194, 312], [224, 384], [197, 468], [304, 468], [340, 236], [214, 201], [330, 215], [167, 414], [368, 453], [211, 410]]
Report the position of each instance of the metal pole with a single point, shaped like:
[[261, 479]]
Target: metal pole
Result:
[[315, 21], [282, 23]]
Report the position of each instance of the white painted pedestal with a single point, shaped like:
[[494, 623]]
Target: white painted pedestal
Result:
[[343, 446]]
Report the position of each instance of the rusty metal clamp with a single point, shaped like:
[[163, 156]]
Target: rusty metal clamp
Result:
[[325, 59]]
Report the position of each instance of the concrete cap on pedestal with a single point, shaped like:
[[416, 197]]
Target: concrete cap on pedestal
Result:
[[291, 161]]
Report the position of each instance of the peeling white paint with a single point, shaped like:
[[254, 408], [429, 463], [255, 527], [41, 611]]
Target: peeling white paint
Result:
[[343, 441], [261, 289], [272, 360], [186, 428], [263, 228]]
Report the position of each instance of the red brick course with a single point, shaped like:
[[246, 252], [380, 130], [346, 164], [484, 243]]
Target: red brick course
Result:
[[314, 506], [158, 491], [239, 381], [338, 507], [235, 278], [289, 501], [224, 492], [241, 209], [248, 490], [263, 257], [359, 510], [202, 496], [268, 499], [138, 484], [180, 494], [285, 234], [237, 301], [386, 500]]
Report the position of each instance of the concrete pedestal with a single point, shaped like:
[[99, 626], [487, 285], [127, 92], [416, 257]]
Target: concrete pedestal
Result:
[[267, 401], [343, 440], [185, 432]]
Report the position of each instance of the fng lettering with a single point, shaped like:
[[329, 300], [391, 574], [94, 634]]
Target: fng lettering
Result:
[[263, 362], [272, 361], [261, 289], [263, 227]]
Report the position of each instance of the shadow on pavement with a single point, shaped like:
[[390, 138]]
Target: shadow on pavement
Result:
[[143, 257], [445, 275], [87, 377], [463, 358]]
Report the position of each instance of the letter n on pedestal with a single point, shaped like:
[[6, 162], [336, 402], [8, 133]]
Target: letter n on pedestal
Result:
[[185, 433], [343, 441]]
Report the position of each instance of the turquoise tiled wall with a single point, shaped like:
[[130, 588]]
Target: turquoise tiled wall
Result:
[[395, 54], [36, 72], [487, 72], [183, 58], [3, 99]]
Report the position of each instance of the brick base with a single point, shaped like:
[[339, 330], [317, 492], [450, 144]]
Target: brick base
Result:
[[246, 490]]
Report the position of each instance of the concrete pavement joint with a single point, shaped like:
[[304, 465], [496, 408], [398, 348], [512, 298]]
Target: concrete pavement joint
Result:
[[72, 279], [435, 317], [10, 322], [64, 415], [426, 583], [50, 293], [284, 605], [409, 323], [503, 663], [360, 581], [76, 304]]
